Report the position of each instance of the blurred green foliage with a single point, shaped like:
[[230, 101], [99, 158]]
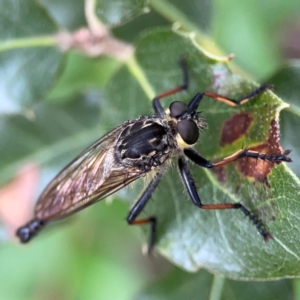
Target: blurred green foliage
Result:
[[66, 262]]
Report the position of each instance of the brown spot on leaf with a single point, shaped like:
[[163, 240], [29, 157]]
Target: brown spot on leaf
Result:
[[256, 168], [235, 128]]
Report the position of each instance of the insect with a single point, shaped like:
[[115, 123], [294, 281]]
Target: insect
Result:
[[134, 149]]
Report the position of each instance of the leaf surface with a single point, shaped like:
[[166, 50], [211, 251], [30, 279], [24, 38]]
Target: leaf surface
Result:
[[27, 70], [225, 242]]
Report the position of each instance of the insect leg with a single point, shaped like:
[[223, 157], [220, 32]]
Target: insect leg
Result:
[[194, 103], [192, 190], [241, 100], [159, 110], [139, 206], [202, 162]]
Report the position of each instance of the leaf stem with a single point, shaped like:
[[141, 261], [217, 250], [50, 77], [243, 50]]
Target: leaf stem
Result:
[[41, 41], [137, 72], [217, 288], [172, 14]]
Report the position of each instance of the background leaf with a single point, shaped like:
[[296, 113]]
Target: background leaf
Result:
[[47, 140], [22, 66], [286, 81], [119, 12], [67, 14], [204, 283], [216, 240]]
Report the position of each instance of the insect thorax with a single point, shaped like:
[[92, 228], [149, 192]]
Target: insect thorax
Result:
[[145, 143]]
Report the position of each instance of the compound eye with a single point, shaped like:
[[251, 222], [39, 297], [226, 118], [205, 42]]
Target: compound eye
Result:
[[188, 131], [177, 108]]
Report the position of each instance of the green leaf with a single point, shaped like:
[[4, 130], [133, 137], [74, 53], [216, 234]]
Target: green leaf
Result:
[[20, 19], [205, 285], [186, 284], [199, 12], [82, 73], [68, 13], [46, 142], [225, 242], [120, 11], [27, 71]]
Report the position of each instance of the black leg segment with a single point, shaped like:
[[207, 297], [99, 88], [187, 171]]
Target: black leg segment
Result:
[[159, 110], [202, 162], [194, 103], [197, 158], [185, 73], [139, 206], [192, 190]]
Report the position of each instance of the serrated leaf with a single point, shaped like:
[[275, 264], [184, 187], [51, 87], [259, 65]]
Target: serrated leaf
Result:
[[26, 71], [224, 242]]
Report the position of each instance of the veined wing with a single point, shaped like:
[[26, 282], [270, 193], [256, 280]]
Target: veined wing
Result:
[[90, 177]]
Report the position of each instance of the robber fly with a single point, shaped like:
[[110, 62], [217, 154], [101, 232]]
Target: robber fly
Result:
[[135, 149]]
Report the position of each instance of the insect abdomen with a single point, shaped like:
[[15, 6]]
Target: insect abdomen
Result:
[[26, 232]]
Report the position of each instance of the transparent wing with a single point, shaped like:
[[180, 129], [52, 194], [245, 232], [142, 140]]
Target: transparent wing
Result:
[[90, 177]]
